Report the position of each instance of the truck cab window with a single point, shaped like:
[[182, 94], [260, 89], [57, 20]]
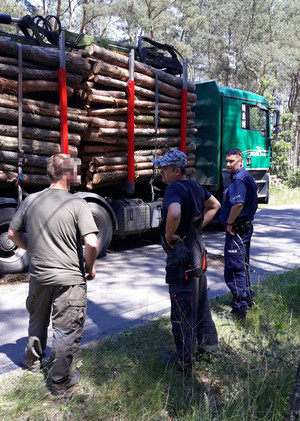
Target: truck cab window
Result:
[[254, 118]]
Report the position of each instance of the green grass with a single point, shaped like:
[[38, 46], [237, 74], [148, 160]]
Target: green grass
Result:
[[283, 196], [125, 379]]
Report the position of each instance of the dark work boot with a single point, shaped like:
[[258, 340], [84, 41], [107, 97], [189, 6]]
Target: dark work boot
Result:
[[61, 388]]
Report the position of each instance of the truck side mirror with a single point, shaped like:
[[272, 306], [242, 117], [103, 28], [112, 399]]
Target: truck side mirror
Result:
[[275, 122]]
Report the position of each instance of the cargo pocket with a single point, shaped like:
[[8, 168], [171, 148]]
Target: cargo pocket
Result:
[[193, 273], [77, 306], [175, 275], [234, 261], [69, 308]]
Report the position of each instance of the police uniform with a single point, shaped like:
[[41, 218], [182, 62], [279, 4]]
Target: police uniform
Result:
[[242, 189]]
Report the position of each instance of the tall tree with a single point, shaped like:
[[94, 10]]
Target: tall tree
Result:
[[16, 10]]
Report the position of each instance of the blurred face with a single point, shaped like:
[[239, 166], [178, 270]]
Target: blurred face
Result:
[[72, 170], [233, 163], [169, 174]]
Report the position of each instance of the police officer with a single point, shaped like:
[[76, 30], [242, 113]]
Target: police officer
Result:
[[237, 213], [187, 207]]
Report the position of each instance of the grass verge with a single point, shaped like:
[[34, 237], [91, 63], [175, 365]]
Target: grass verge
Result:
[[283, 196], [124, 377]]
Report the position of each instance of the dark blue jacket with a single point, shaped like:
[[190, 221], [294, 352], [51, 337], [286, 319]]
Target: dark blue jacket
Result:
[[242, 189]]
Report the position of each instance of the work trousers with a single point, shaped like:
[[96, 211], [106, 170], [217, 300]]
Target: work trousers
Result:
[[192, 325], [66, 305], [236, 272]]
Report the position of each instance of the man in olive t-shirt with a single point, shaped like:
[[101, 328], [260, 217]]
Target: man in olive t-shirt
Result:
[[51, 225]]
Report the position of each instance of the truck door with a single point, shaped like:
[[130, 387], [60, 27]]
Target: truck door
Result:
[[246, 125]]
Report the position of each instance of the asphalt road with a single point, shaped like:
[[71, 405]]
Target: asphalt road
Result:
[[129, 288]]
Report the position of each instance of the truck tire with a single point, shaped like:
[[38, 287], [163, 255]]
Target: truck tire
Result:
[[12, 259], [104, 225]]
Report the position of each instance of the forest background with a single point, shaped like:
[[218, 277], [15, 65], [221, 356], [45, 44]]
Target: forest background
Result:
[[251, 45]]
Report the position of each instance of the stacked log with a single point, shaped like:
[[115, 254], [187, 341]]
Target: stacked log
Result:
[[40, 110], [97, 83], [157, 108]]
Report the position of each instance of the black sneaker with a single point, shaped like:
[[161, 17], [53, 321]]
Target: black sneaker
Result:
[[238, 315], [61, 388]]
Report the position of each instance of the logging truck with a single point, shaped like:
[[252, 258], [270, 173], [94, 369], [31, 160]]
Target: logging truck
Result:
[[115, 107]]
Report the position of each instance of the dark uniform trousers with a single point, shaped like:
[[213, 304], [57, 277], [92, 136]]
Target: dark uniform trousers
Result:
[[68, 307], [192, 324], [236, 272]]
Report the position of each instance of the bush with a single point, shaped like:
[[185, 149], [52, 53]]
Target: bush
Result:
[[293, 180]]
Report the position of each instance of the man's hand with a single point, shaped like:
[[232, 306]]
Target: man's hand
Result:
[[230, 229], [181, 253], [172, 240], [91, 275], [91, 250]]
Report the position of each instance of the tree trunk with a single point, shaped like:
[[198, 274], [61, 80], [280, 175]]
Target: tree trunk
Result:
[[111, 82], [144, 132], [40, 74], [51, 110], [9, 85], [107, 111], [28, 179], [38, 120], [142, 80], [41, 104], [48, 57], [29, 159], [32, 146], [37, 133], [122, 61], [28, 170]]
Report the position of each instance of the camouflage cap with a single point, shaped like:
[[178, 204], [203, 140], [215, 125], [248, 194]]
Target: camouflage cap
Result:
[[172, 157]]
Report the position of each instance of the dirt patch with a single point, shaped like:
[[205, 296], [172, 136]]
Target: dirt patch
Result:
[[14, 278], [215, 260]]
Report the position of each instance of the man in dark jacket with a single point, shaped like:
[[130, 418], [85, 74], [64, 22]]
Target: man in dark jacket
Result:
[[237, 213], [187, 207]]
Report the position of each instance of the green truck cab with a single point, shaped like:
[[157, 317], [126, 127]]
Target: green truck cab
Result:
[[229, 118]]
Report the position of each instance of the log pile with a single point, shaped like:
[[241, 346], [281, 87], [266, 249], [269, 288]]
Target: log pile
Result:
[[97, 114], [40, 106], [157, 109]]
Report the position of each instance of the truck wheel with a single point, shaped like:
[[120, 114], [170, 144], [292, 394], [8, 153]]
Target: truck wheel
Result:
[[104, 225], [12, 259]]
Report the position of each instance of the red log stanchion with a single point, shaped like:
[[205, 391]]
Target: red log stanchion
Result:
[[63, 101], [130, 122], [184, 101]]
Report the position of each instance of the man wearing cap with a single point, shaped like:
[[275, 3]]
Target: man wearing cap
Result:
[[187, 207], [237, 213]]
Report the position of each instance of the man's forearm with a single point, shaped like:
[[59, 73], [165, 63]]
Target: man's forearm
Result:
[[90, 254], [209, 215], [234, 212], [18, 238], [212, 205], [173, 220], [90, 257]]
